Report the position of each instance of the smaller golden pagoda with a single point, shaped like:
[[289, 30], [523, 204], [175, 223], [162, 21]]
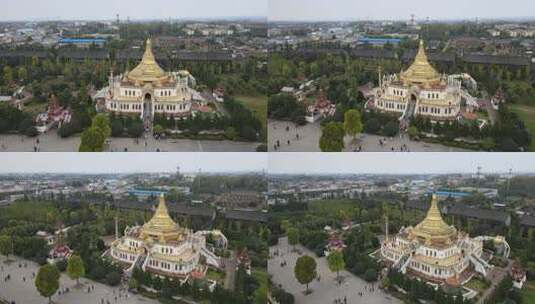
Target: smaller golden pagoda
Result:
[[148, 69], [161, 226], [420, 72]]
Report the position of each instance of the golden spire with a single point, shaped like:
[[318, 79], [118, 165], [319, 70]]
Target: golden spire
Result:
[[161, 226], [148, 69], [433, 226], [421, 71]]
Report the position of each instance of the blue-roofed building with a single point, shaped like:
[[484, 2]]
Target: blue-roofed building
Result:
[[82, 42], [454, 194], [378, 41], [146, 193]]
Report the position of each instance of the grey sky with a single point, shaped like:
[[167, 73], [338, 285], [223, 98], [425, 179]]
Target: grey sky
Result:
[[320, 10], [135, 9], [400, 163], [130, 162]]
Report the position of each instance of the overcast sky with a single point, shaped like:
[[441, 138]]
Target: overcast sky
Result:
[[400, 163], [17, 162], [321, 10], [135, 9]]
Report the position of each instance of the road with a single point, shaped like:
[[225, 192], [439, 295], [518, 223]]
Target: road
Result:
[[309, 136], [326, 290], [51, 142]]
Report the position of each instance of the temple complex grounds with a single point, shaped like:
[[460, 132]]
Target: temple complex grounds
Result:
[[51, 142], [325, 290], [18, 291], [309, 136]]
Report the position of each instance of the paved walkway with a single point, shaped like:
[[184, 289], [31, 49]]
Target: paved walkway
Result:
[[230, 269], [51, 142], [495, 276], [25, 292], [326, 290], [309, 136]]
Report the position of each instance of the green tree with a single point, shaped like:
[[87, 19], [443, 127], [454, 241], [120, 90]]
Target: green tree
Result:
[[133, 284], [488, 143], [305, 270], [158, 129], [336, 263], [391, 129], [332, 137], [47, 281], [293, 236], [75, 268], [22, 73], [413, 131], [8, 74], [92, 140], [352, 123], [285, 225], [230, 133], [102, 123], [6, 245]]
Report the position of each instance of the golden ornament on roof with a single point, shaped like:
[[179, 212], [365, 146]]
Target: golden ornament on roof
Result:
[[421, 71], [433, 228], [161, 226], [148, 69]]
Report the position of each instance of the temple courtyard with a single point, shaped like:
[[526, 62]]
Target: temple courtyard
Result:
[[326, 290], [18, 291], [51, 142], [310, 134]]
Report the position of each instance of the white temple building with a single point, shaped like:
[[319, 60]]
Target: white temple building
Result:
[[149, 90], [164, 248]]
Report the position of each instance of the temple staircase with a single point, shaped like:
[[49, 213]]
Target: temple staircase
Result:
[[140, 260], [408, 114], [410, 110], [211, 258], [403, 268], [402, 263], [480, 265]]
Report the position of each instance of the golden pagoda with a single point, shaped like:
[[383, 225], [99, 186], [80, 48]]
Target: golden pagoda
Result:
[[164, 248], [435, 251], [148, 69], [420, 72], [161, 226], [433, 229]]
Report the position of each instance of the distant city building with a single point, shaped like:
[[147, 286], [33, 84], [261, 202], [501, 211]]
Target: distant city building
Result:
[[378, 41], [82, 42]]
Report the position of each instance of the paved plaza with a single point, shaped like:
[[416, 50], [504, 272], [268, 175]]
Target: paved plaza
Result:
[[309, 136], [51, 142], [17, 291], [326, 290]]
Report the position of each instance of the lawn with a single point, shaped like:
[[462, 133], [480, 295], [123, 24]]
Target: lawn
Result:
[[215, 275], [35, 108], [527, 114], [257, 104], [528, 293], [332, 207], [477, 285]]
